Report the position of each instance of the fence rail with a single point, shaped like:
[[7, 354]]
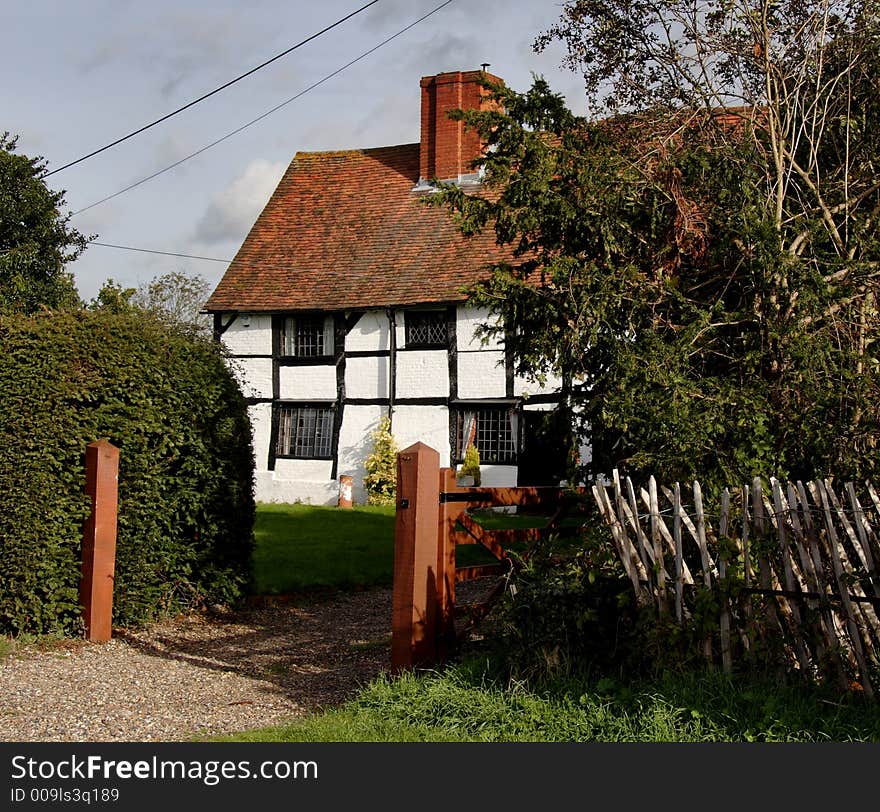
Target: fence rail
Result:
[[796, 564], [789, 567]]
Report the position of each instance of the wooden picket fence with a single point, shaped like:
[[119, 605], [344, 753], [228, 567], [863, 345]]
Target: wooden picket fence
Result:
[[793, 565]]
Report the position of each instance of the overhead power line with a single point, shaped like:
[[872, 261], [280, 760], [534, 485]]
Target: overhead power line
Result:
[[246, 263], [163, 253], [264, 115], [211, 93], [178, 254]]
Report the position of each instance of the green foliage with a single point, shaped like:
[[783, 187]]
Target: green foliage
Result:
[[381, 477], [567, 609], [169, 403], [177, 297], [112, 298], [35, 239], [7, 646], [698, 334], [698, 263], [471, 464]]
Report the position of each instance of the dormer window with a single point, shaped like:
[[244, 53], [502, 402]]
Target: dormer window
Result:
[[307, 336], [426, 329]]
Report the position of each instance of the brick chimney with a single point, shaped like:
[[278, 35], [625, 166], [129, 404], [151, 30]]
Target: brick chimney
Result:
[[447, 149]]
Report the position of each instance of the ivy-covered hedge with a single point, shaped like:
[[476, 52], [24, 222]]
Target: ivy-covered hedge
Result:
[[167, 400]]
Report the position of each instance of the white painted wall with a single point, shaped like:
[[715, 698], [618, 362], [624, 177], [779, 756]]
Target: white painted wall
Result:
[[467, 320], [426, 424], [537, 407], [253, 339], [307, 382], [420, 373], [271, 488], [356, 444], [481, 374], [254, 376], [497, 476], [423, 373], [523, 387], [292, 480], [312, 470], [366, 377], [260, 415], [369, 334]]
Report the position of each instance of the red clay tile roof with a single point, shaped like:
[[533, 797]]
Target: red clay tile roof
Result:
[[344, 230]]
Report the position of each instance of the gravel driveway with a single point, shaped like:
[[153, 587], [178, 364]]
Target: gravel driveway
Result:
[[198, 675]]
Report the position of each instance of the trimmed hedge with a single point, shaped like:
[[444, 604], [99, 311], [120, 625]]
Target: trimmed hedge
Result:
[[168, 401]]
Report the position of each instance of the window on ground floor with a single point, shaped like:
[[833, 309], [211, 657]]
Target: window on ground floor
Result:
[[493, 430], [305, 432]]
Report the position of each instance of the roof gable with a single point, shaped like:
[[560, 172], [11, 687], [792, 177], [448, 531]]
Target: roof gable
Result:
[[344, 230]]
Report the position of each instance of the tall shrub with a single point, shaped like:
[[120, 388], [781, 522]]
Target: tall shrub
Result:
[[380, 481], [186, 504]]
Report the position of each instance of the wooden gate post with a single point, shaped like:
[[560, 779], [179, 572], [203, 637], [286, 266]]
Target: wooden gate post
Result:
[[99, 540], [448, 514], [416, 555]]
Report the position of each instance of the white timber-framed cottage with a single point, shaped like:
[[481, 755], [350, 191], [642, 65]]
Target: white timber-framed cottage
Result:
[[344, 305]]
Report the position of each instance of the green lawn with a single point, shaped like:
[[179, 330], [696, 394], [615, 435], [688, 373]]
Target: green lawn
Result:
[[304, 547]]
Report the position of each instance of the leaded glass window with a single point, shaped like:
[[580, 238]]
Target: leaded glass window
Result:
[[426, 328], [305, 431]]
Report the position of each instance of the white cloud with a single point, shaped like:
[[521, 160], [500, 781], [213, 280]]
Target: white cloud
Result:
[[234, 209]]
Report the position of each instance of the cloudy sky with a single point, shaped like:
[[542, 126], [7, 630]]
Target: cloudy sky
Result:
[[79, 74]]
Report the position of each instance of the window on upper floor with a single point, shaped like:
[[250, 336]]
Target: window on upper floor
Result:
[[492, 430], [307, 336], [426, 328], [305, 432]]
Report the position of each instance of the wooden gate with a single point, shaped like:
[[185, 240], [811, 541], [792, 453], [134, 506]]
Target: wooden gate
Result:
[[432, 519], [806, 573]]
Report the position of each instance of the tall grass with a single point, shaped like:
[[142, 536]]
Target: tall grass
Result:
[[466, 703]]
